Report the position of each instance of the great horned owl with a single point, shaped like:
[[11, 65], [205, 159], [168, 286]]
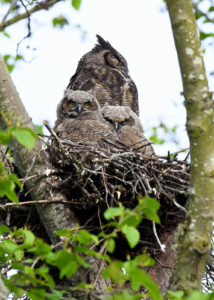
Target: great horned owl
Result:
[[128, 127], [79, 119], [104, 70]]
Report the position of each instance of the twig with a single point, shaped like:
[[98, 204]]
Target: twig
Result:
[[37, 202], [162, 246], [12, 5]]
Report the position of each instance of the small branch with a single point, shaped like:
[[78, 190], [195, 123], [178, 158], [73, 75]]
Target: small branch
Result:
[[37, 202], [12, 5], [162, 246], [42, 5], [199, 11]]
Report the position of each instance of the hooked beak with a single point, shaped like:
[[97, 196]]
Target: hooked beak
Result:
[[116, 125], [79, 108]]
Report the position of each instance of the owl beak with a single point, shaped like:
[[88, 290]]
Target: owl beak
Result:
[[116, 125], [79, 108]]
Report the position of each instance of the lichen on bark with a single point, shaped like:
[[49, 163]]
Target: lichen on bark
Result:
[[193, 241]]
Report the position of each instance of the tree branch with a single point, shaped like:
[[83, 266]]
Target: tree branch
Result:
[[42, 5], [200, 12], [194, 238]]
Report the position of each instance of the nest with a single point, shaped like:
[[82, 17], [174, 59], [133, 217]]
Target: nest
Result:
[[101, 177], [95, 178]]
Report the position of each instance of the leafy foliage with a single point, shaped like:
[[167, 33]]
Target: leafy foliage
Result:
[[163, 133]]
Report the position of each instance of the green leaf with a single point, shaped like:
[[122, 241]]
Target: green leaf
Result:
[[76, 4], [25, 136], [27, 236], [132, 220], [114, 272], [149, 207], [86, 238], [6, 34], [5, 137], [7, 189], [139, 278], [37, 294], [15, 179], [175, 294], [110, 245], [113, 212], [132, 235], [60, 21], [8, 61], [196, 295], [211, 8], [41, 248], [65, 263], [44, 272], [3, 229], [13, 249], [204, 35]]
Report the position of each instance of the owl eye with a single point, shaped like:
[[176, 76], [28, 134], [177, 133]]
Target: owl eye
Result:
[[87, 104], [112, 60], [128, 121], [72, 104]]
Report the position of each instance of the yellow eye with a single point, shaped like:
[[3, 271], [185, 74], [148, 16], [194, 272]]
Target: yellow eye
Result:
[[87, 104], [72, 104]]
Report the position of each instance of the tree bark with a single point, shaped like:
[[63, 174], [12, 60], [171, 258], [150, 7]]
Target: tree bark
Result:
[[31, 162], [193, 242]]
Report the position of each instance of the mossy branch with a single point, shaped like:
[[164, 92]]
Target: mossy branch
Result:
[[194, 237]]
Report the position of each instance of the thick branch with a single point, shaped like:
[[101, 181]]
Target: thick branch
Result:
[[42, 5], [194, 240], [54, 216]]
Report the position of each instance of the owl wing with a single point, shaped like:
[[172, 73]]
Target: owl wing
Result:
[[93, 132], [131, 137], [82, 80]]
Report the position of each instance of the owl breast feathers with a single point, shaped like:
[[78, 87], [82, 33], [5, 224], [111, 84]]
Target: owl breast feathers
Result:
[[104, 70], [79, 120], [128, 127]]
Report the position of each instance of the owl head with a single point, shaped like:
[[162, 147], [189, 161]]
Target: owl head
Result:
[[103, 54], [78, 104], [121, 118]]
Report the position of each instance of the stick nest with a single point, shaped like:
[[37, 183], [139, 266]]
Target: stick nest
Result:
[[99, 177]]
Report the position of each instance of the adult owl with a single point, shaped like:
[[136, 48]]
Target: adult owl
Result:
[[128, 127], [104, 70], [79, 119]]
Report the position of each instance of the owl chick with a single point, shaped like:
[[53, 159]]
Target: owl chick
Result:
[[79, 119], [128, 127], [104, 70]]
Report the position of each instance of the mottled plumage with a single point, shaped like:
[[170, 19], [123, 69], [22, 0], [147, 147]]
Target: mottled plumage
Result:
[[79, 119], [128, 127], [104, 70]]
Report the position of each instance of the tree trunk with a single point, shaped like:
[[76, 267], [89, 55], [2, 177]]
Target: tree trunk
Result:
[[193, 242], [53, 216]]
